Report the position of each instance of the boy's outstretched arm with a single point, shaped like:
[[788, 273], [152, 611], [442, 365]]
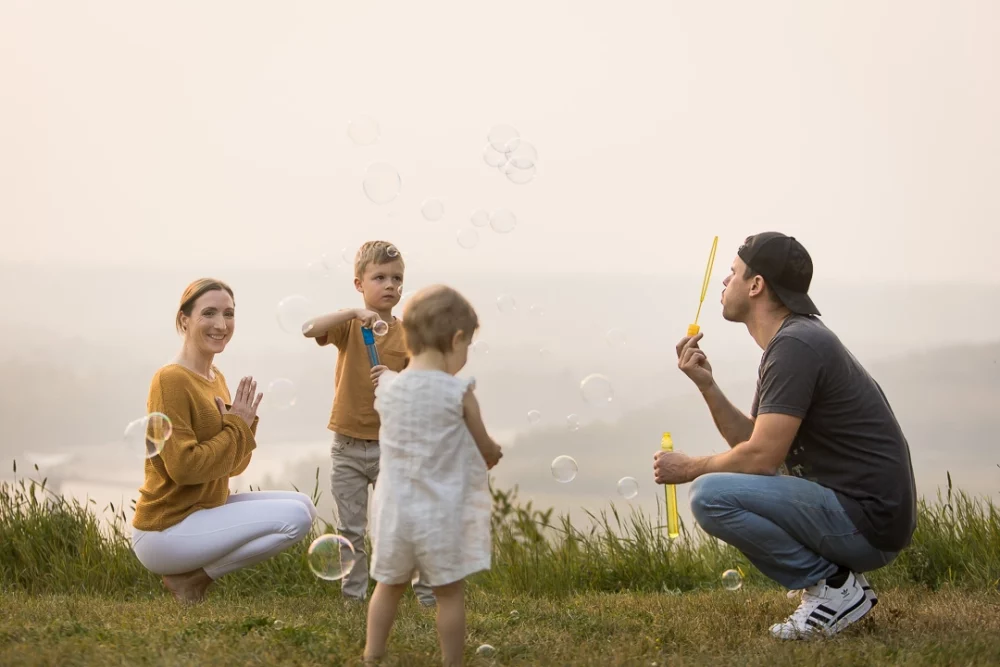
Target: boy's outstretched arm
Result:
[[319, 326], [474, 420]]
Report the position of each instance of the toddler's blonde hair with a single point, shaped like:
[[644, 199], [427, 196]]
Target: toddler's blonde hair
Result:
[[433, 316]]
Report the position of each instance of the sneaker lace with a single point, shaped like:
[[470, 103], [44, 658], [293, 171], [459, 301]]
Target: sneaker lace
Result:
[[806, 607]]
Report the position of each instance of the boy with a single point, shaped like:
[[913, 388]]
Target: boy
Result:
[[378, 276]]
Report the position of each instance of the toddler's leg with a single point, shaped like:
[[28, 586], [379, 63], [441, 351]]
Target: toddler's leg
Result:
[[381, 615], [451, 621], [349, 486]]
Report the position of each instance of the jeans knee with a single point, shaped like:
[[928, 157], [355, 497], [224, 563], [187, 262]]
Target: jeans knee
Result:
[[704, 496]]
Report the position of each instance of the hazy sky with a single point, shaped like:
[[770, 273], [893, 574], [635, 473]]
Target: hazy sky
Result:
[[215, 133]]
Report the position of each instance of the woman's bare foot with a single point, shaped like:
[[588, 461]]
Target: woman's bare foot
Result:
[[189, 587]]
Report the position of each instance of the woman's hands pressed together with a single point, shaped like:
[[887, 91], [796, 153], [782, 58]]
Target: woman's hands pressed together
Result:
[[244, 403]]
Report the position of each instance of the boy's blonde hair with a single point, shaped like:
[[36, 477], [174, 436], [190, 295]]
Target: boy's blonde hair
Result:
[[434, 315], [375, 252]]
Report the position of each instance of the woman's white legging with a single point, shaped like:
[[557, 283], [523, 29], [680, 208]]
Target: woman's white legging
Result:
[[249, 528]]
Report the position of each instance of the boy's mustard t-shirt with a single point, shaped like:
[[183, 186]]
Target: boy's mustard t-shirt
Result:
[[353, 411]]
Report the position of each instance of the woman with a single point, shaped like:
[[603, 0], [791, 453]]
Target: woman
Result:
[[187, 527]]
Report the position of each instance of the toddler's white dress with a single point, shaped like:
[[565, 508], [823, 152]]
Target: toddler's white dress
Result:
[[431, 506]]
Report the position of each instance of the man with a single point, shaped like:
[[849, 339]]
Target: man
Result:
[[848, 505]]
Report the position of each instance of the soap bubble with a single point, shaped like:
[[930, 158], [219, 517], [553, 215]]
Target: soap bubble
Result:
[[535, 310], [432, 209], [380, 328], [564, 469], [732, 580], [519, 176], [520, 154], [382, 183], [363, 131], [534, 416], [147, 435], [480, 218], [616, 337], [514, 614], [486, 651], [503, 221], [331, 557], [467, 238], [506, 303], [319, 269], [279, 624], [479, 347], [596, 389], [628, 488], [281, 393], [573, 422], [347, 255], [293, 312], [494, 157], [501, 136], [392, 251]]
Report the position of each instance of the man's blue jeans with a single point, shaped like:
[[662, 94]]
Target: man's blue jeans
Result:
[[794, 531]]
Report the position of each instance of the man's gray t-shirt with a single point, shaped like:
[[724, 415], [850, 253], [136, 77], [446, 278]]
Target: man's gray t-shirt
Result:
[[849, 440]]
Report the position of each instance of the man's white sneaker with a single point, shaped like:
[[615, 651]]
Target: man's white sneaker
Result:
[[866, 587], [825, 611]]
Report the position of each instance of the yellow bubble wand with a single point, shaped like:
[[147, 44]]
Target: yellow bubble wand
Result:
[[667, 443], [670, 494], [693, 328]]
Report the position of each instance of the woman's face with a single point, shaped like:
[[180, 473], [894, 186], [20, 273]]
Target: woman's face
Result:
[[212, 322]]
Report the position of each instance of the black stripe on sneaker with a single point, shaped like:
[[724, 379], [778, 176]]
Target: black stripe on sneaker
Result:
[[813, 624], [825, 620], [826, 610], [850, 609]]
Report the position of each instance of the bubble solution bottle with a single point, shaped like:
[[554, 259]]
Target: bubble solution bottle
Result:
[[670, 493]]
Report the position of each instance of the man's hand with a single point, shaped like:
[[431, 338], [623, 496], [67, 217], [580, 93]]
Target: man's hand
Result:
[[376, 372], [672, 468], [694, 363]]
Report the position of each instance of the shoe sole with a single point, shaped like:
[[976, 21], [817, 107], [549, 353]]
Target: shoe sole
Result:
[[851, 616]]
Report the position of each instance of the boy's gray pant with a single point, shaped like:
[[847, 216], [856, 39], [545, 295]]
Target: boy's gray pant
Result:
[[354, 467]]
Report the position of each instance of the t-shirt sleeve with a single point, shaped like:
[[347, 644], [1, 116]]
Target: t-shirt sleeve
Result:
[[336, 336], [788, 378]]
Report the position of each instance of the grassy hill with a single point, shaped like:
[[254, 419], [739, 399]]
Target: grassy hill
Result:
[[73, 594]]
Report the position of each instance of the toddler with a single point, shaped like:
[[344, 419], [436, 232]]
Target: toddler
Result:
[[431, 506]]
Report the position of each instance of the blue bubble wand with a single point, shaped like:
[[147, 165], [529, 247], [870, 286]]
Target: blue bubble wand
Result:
[[369, 337]]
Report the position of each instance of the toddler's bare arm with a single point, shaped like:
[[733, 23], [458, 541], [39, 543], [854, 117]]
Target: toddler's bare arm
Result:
[[474, 420]]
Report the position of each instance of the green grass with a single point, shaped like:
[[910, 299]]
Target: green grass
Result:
[[615, 592]]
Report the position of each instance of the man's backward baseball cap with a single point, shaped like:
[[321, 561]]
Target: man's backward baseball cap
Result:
[[785, 265]]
